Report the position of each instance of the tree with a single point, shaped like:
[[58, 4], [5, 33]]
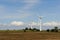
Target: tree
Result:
[[34, 29], [56, 29], [48, 30], [26, 28]]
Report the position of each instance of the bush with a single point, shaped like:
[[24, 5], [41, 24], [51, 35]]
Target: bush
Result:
[[34, 29], [37, 30], [30, 29], [52, 30], [56, 30], [24, 30]]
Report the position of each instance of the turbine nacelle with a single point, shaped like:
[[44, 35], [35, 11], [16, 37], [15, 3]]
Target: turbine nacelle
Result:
[[40, 17]]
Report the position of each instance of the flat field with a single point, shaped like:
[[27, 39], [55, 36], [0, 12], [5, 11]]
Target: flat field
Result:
[[29, 36]]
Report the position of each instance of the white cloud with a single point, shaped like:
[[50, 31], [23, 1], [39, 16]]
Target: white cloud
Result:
[[21, 13], [13, 23], [18, 16], [17, 23], [33, 24], [30, 3], [51, 24], [3, 25]]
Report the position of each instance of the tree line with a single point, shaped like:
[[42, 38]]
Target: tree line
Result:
[[34, 29], [55, 29]]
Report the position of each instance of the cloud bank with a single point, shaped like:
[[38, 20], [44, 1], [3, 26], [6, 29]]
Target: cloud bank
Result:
[[20, 23], [52, 24]]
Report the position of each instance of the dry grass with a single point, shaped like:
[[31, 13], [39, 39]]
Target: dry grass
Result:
[[29, 36]]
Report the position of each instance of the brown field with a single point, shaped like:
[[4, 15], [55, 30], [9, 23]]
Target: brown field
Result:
[[29, 36]]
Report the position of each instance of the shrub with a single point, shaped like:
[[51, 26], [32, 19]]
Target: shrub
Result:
[[34, 28], [52, 30], [30, 29], [37, 30]]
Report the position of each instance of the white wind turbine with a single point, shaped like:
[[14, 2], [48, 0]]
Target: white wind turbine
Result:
[[31, 26], [40, 22]]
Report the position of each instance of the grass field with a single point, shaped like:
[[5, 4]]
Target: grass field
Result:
[[29, 36]]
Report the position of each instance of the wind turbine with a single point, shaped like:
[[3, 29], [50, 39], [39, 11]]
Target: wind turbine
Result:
[[40, 23], [31, 25]]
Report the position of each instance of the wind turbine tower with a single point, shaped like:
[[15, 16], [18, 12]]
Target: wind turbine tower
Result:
[[30, 25], [40, 23]]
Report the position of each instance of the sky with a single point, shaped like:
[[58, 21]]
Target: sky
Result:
[[18, 14]]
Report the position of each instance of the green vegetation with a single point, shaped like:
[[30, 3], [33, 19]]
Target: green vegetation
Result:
[[32, 30], [53, 30], [37, 30], [30, 34]]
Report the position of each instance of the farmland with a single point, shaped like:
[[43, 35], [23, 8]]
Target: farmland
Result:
[[16, 35]]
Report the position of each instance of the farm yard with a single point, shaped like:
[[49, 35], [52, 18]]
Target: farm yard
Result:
[[29, 35]]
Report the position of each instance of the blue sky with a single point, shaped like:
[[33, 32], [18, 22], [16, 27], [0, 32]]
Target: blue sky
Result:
[[26, 11]]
